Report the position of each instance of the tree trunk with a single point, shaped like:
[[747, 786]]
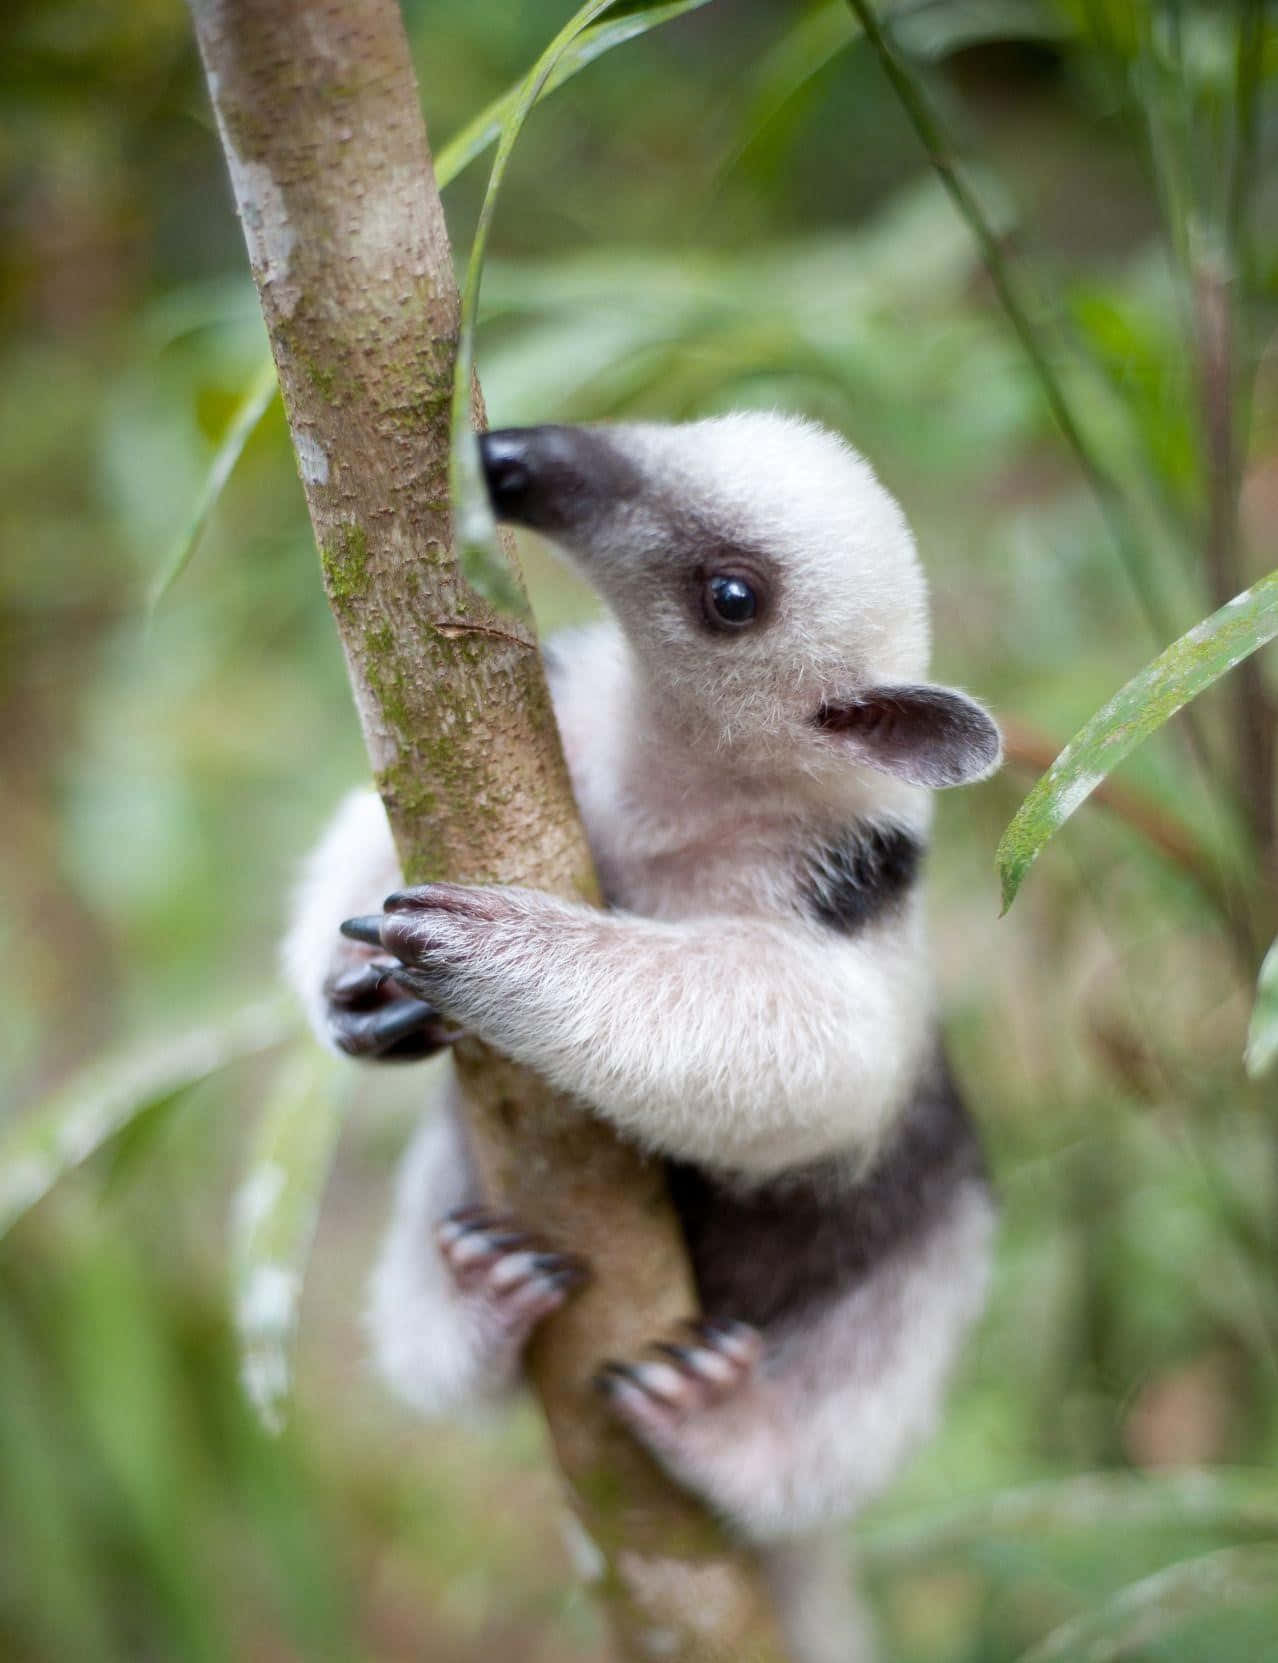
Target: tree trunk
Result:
[[317, 107]]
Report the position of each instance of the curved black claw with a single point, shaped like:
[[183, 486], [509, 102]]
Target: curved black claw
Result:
[[405, 1030], [367, 929], [709, 1363], [370, 1015], [490, 1252], [613, 1375], [361, 986]]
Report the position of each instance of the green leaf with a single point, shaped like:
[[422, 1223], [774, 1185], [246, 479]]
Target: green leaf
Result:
[[584, 46], [468, 145], [1243, 1501], [781, 74], [930, 31], [479, 554], [39, 1148], [1139, 1615], [273, 1222], [1262, 1033], [1187, 668], [256, 401]]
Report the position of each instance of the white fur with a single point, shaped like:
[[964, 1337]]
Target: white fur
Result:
[[431, 1346], [349, 873]]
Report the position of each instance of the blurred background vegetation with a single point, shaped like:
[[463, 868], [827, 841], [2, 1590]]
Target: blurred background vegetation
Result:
[[731, 210]]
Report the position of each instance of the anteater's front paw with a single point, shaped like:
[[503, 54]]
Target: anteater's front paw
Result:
[[509, 1277], [437, 934], [370, 1014], [665, 1393]]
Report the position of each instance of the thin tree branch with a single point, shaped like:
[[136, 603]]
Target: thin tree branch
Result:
[[318, 112]]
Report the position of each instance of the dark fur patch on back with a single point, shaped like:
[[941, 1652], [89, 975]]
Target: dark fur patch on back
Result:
[[852, 881], [773, 1252]]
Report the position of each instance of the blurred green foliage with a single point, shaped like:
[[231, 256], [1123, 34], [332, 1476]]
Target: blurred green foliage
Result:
[[731, 210]]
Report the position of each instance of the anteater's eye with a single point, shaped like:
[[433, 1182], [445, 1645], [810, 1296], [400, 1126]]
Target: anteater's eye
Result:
[[730, 602]]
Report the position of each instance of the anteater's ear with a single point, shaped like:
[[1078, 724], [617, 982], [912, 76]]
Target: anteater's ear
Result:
[[928, 735]]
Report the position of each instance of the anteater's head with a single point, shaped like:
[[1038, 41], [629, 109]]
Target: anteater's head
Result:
[[767, 584]]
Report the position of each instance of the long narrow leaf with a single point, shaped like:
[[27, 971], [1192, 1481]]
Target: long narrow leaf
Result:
[[1023, 309], [461, 150], [812, 42], [1242, 1501], [1142, 1613], [252, 407], [1187, 668], [1262, 1033], [476, 136], [273, 1222], [479, 555], [37, 1149]]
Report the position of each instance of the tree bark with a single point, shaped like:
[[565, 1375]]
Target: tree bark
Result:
[[317, 108]]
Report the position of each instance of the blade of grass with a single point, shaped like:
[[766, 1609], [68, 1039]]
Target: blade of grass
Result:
[[1204, 211], [39, 1148], [805, 49], [1149, 699], [257, 400], [47, 1544], [935, 28], [465, 147], [273, 1222], [1244, 173], [479, 554], [1121, 522], [476, 136], [940, 152], [1262, 1031], [1143, 1612], [1161, 831], [1242, 1501]]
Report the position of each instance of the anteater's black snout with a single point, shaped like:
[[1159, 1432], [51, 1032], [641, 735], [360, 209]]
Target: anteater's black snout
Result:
[[509, 470], [554, 479]]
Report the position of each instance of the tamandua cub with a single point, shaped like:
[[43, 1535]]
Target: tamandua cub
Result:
[[752, 743]]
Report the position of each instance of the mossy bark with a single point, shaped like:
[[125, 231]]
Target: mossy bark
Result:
[[318, 111]]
